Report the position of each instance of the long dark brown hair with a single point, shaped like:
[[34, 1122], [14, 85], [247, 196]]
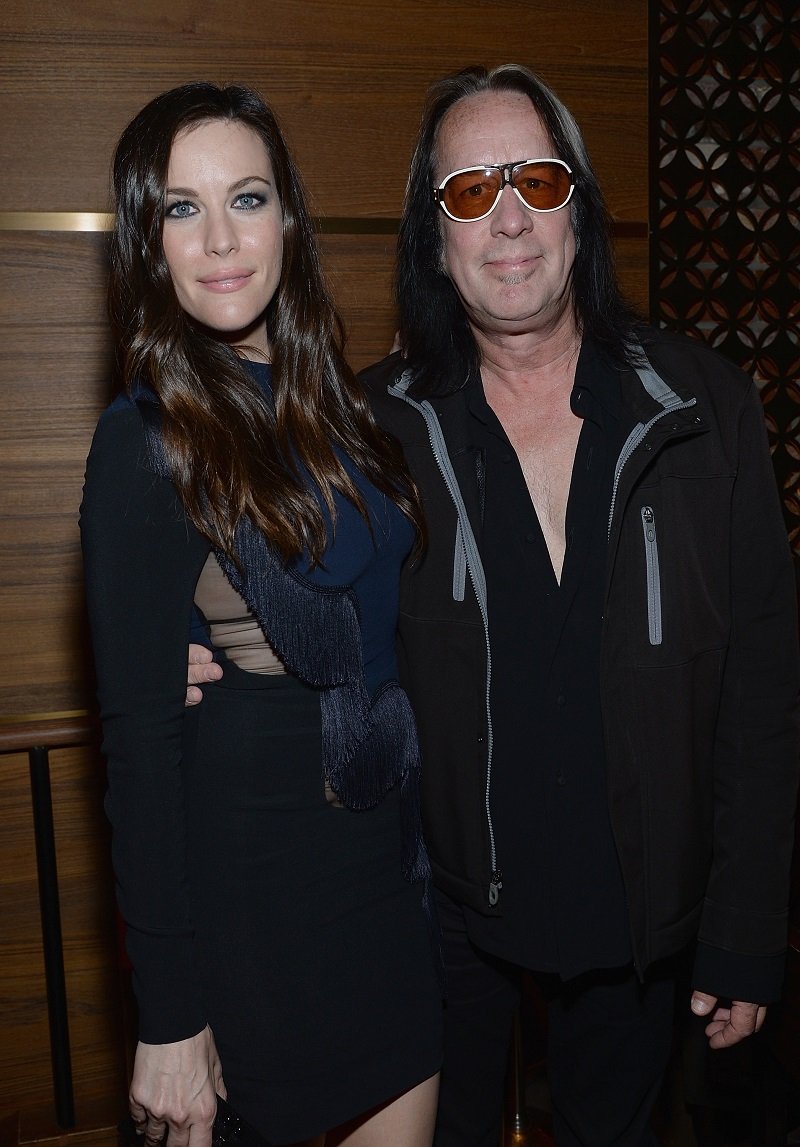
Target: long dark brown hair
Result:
[[231, 453]]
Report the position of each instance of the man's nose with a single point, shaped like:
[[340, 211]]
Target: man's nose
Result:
[[510, 216]]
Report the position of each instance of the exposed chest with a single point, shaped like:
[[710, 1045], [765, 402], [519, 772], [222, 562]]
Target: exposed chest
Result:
[[545, 439]]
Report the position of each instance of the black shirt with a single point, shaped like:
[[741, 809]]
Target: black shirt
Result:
[[563, 901]]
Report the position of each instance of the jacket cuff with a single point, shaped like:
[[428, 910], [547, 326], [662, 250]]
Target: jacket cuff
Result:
[[198, 631], [166, 988], [736, 976]]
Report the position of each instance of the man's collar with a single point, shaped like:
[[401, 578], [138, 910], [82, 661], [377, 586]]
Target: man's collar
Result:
[[476, 400], [593, 373]]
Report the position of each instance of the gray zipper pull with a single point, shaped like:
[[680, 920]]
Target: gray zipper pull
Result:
[[495, 886], [653, 575]]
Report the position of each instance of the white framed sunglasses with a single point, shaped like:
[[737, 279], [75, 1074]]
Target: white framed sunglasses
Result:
[[471, 193]]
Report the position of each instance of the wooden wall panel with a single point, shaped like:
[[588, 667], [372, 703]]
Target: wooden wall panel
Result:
[[359, 270], [87, 918], [347, 81], [24, 1020], [55, 362]]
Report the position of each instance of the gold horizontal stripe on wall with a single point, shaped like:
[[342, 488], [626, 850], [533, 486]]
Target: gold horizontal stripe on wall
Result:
[[104, 221], [56, 221], [331, 225]]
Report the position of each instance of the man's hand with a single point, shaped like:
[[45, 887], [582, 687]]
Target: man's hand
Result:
[[729, 1025], [202, 668]]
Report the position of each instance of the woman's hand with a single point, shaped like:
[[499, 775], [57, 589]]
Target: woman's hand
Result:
[[174, 1090]]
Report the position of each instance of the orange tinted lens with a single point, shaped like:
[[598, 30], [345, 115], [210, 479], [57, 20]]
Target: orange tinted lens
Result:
[[471, 194], [544, 186]]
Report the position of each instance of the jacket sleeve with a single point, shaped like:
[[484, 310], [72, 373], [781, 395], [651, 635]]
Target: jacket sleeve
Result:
[[141, 561], [744, 922]]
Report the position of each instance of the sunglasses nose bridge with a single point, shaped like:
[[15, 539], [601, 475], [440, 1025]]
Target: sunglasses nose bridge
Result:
[[505, 172]]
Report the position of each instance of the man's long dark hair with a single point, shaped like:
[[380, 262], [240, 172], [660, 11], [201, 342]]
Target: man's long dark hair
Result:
[[434, 329], [230, 453]]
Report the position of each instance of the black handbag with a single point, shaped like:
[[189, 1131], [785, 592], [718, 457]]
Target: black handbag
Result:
[[229, 1130]]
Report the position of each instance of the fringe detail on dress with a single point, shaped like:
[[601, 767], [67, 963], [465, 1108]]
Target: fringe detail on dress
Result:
[[368, 747]]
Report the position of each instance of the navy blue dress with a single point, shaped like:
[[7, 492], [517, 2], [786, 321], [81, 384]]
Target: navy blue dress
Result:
[[252, 902]]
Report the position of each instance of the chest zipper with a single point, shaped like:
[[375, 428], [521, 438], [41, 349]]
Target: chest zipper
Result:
[[459, 564], [653, 575]]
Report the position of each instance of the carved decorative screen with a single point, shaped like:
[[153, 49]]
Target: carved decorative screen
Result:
[[725, 197]]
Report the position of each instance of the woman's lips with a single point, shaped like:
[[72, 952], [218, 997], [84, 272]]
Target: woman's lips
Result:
[[226, 281]]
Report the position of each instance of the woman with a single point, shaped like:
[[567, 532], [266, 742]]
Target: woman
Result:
[[266, 844]]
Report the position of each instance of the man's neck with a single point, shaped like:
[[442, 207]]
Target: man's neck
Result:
[[529, 364]]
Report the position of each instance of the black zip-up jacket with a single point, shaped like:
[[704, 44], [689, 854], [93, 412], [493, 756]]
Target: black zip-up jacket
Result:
[[699, 654]]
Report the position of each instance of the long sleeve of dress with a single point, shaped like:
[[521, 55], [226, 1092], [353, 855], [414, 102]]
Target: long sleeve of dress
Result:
[[142, 559]]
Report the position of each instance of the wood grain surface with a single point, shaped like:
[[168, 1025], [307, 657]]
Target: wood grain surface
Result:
[[347, 81]]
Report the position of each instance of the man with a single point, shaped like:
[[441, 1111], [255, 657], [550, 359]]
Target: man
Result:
[[600, 639]]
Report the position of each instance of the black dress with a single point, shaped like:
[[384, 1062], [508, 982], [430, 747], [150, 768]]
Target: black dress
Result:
[[253, 902]]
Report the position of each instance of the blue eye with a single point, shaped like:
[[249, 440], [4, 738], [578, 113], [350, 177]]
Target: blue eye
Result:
[[249, 201], [183, 209]]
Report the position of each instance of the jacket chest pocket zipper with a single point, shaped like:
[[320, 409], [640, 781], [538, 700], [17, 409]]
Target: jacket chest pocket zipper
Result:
[[653, 575], [459, 565]]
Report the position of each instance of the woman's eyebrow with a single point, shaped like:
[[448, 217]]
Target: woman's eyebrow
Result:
[[233, 187]]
